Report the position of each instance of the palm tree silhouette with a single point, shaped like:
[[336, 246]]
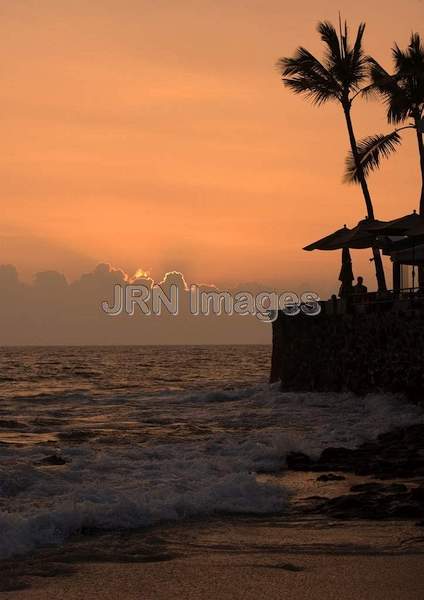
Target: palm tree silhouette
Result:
[[338, 77], [403, 94]]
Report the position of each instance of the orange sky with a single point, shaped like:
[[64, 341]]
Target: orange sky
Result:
[[156, 134]]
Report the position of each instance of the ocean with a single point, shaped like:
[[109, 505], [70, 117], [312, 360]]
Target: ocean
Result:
[[112, 438]]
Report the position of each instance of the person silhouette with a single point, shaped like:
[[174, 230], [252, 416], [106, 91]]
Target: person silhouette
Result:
[[360, 289]]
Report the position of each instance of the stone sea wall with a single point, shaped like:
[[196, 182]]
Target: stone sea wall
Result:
[[379, 350]]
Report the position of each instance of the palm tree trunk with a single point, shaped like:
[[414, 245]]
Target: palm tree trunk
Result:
[[379, 271], [417, 119], [421, 152]]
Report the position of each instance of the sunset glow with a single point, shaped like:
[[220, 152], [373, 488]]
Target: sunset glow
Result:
[[132, 136]]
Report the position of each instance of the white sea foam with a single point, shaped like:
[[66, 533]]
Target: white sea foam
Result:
[[214, 445], [111, 489]]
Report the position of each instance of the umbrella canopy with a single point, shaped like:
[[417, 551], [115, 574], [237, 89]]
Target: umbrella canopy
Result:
[[332, 241], [401, 226], [362, 236], [409, 232], [417, 231]]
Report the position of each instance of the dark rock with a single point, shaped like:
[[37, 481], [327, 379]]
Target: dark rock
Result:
[[53, 459], [406, 511], [348, 507], [339, 459], [418, 494], [11, 424], [331, 477], [75, 435], [337, 455], [316, 498], [379, 488], [373, 505], [415, 434], [298, 461], [372, 487], [396, 488], [391, 437], [393, 455]]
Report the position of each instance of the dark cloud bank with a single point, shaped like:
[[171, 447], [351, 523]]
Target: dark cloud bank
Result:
[[52, 311]]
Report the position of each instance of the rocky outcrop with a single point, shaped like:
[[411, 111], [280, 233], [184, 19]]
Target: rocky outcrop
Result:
[[398, 454], [382, 504]]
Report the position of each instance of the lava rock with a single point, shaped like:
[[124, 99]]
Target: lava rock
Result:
[[341, 459], [330, 477], [418, 494], [75, 435], [53, 459], [298, 461], [379, 488], [372, 505]]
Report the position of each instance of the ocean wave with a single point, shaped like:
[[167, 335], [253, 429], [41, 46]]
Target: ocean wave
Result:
[[106, 509], [112, 490], [222, 395], [243, 432]]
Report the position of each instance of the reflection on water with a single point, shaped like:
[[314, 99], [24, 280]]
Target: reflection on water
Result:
[[123, 438]]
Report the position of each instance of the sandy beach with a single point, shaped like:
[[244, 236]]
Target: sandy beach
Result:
[[241, 559], [299, 553], [359, 578]]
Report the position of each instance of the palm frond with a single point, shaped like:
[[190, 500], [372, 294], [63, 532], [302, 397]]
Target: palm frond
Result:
[[392, 90], [357, 48], [371, 150], [317, 94], [415, 47], [358, 60], [305, 74], [331, 39], [376, 74], [380, 78], [400, 58], [347, 64], [369, 91], [303, 62], [339, 74]]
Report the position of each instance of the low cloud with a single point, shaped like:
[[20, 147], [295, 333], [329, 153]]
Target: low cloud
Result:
[[52, 310]]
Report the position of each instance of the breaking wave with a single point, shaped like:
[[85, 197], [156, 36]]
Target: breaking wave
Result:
[[190, 455]]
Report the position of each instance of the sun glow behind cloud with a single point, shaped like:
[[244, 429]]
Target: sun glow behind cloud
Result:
[[140, 274]]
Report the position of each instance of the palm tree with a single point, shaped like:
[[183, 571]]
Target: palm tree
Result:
[[403, 94], [338, 77]]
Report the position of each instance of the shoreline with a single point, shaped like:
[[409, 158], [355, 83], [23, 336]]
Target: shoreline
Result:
[[365, 521], [244, 557]]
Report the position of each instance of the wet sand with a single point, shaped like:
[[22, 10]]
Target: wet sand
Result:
[[306, 577], [294, 555], [244, 558]]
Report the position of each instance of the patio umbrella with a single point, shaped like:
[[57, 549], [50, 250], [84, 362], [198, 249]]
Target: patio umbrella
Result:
[[410, 238], [417, 231], [332, 241], [361, 236], [365, 235], [346, 274], [401, 226]]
